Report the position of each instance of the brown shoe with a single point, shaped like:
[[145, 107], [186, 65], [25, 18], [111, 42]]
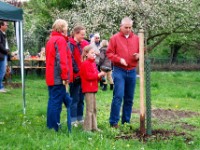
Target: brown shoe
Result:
[[114, 126]]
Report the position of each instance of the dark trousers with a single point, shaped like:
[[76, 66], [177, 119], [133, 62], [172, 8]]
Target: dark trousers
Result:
[[77, 105], [56, 97]]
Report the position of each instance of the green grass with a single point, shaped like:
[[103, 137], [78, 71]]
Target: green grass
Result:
[[169, 90]]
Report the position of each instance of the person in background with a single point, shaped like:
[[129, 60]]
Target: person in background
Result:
[[76, 44], [123, 51], [105, 63], [4, 52], [57, 72], [89, 77], [96, 46]]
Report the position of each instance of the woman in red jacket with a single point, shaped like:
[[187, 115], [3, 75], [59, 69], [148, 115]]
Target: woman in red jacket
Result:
[[58, 65], [89, 78]]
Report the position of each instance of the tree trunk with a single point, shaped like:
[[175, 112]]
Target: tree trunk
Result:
[[174, 52]]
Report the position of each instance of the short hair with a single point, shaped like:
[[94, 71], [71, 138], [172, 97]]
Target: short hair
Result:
[[97, 35], [60, 25], [77, 29], [104, 43], [86, 50], [2, 23], [126, 20]]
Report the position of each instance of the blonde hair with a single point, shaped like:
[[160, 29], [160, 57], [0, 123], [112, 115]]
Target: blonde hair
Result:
[[60, 25], [104, 43], [86, 50]]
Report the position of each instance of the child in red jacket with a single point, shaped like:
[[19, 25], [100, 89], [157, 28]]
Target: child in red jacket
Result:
[[89, 82]]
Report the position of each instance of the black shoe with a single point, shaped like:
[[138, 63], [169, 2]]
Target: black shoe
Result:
[[111, 86], [104, 87]]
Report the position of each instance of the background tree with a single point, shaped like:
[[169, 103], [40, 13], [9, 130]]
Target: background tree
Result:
[[166, 22]]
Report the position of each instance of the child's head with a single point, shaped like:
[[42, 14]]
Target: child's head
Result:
[[88, 53], [104, 43]]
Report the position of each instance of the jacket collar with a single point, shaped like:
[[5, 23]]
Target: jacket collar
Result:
[[54, 33], [130, 35]]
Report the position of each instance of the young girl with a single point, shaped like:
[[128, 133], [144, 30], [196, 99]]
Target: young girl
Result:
[[89, 82]]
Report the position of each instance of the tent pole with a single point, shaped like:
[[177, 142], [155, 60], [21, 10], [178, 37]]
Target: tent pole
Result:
[[22, 66]]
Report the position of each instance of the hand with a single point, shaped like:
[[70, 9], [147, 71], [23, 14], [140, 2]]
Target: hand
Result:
[[97, 53], [101, 74], [136, 56], [65, 82], [123, 62]]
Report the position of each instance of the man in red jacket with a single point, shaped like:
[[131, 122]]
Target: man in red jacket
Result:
[[76, 45], [123, 51], [57, 71]]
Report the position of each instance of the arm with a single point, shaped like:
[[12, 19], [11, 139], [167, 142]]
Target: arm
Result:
[[2, 48], [62, 45], [111, 51]]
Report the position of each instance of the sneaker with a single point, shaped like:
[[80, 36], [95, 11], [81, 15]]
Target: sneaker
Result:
[[81, 122], [96, 130], [74, 124], [3, 91]]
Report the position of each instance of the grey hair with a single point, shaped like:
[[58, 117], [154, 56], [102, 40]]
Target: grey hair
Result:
[[126, 20]]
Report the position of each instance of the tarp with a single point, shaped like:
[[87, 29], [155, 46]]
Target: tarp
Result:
[[11, 13]]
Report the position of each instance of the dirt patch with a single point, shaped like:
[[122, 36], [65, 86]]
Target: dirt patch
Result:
[[187, 126], [13, 85], [157, 135], [169, 114]]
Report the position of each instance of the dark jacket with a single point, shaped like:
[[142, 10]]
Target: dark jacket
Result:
[[3, 50], [104, 61]]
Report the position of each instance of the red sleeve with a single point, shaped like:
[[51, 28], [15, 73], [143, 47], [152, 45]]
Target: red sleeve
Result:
[[111, 51], [62, 46]]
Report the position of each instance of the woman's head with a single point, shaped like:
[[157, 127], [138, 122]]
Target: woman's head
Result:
[[60, 26], [104, 43], [79, 33], [88, 53]]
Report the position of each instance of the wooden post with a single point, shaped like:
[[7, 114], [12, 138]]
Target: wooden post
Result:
[[141, 72]]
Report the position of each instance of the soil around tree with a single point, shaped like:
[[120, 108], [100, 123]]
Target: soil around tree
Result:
[[165, 116]]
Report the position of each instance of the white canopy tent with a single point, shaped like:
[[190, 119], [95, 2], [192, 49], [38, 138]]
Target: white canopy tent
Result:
[[10, 13]]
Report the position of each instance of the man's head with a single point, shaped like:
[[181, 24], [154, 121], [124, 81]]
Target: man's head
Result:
[[60, 26], [79, 33], [126, 25], [3, 26], [96, 37]]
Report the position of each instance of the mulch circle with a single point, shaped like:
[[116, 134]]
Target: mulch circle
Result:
[[157, 135], [164, 115]]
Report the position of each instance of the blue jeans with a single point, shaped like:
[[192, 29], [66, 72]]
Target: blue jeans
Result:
[[3, 64], [57, 95], [124, 87], [77, 105]]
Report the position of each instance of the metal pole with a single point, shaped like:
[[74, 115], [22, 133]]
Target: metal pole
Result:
[[148, 95]]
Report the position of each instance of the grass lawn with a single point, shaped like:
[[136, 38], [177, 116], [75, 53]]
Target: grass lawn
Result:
[[174, 91]]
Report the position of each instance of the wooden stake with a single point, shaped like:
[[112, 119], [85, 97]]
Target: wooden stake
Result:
[[141, 72]]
